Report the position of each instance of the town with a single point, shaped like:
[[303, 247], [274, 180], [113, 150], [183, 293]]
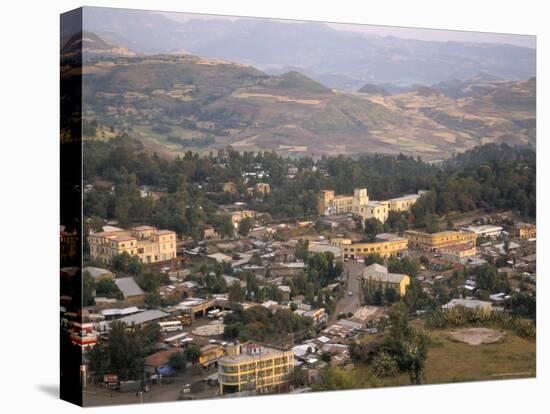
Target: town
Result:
[[248, 274]]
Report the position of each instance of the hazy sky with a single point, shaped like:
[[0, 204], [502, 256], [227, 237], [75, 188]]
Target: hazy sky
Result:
[[403, 32]]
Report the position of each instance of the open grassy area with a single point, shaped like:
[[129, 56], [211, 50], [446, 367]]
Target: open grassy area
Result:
[[450, 361]]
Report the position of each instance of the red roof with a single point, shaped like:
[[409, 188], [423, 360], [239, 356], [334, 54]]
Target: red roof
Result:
[[160, 358]]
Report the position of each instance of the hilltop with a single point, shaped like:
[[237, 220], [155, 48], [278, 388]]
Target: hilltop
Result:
[[177, 102]]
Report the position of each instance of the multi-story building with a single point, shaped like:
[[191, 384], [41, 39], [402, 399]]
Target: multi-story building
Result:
[[262, 189], [210, 354], [360, 198], [238, 216], [359, 204], [458, 253], [526, 230], [378, 276], [329, 203], [433, 241], [386, 246], [254, 367], [378, 210], [403, 203], [229, 187], [147, 243]]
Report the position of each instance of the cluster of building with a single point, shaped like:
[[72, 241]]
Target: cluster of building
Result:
[[191, 314], [359, 204], [259, 190]]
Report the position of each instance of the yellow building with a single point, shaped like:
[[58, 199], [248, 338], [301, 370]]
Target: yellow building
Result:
[[229, 187], [360, 198], [324, 201], [238, 216], [433, 241], [394, 246], [403, 203], [253, 367], [329, 203], [458, 253], [375, 209], [377, 275], [359, 203], [147, 243], [262, 189], [526, 230], [210, 354]]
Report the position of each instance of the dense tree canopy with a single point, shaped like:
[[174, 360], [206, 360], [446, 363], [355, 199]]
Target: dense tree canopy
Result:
[[490, 177]]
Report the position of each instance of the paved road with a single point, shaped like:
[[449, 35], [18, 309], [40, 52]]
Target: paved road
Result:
[[95, 395], [350, 303]]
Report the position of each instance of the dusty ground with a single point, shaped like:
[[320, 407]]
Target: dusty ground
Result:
[[476, 336], [212, 329]]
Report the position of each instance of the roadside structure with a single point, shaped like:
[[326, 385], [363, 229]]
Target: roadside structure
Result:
[[254, 367], [386, 245], [378, 276], [431, 242]]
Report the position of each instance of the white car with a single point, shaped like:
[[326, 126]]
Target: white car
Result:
[[350, 293]]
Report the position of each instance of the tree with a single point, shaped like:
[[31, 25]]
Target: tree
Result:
[[372, 258], [192, 353], [245, 226], [301, 251], [177, 361], [333, 378], [236, 292], [431, 224], [153, 300], [226, 229], [372, 228], [256, 259], [390, 295], [326, 357], [109, 289], [404, 265], [298, 377], [125, 352], [408, 346]]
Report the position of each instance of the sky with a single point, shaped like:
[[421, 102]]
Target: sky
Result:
[[402, 32]]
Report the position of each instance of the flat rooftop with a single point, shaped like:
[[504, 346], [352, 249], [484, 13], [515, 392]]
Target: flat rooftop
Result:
[[244, 356]]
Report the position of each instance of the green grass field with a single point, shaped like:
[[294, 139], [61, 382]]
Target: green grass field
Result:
[[450, 361]]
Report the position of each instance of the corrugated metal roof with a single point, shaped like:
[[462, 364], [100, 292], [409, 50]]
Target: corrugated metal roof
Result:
[[128, 287]]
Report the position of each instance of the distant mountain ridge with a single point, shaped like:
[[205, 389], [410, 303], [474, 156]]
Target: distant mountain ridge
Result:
[[338, 59], [179, 102]]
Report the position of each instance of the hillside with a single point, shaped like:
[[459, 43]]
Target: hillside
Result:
[[93, 44], [177, 102], [339, 59], [373, 89]]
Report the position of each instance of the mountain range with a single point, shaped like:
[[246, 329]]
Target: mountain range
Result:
[[343, 60], [179, 102]]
